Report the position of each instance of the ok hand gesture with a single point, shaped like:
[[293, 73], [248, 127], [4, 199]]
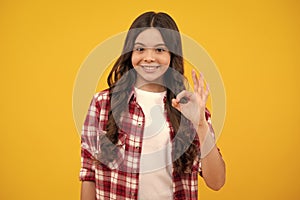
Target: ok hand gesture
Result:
[[194, 109]]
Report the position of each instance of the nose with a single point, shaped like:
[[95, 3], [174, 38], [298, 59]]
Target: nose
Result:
[[149, 55]]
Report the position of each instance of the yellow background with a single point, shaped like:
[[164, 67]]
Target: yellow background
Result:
[[255, 45]]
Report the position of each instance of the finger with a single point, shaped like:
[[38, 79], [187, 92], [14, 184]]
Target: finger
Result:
[[201, 83], [207, 91], [195, 80], [207, 88], [175, 104], [183, 94]]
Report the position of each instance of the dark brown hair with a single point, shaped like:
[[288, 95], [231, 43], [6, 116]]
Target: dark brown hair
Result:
[[121, 82]]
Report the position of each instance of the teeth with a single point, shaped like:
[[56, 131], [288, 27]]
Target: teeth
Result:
[[150, 67]]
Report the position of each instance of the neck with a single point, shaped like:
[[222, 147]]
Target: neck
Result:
[[151, 87]]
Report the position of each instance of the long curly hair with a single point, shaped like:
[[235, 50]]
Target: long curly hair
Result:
[[121, 82]]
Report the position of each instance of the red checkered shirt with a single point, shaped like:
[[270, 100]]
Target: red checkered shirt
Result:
[[120, 179]]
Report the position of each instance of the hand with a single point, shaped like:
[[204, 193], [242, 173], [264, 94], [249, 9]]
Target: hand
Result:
[[194, 108]]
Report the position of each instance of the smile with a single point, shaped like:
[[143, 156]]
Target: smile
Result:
[[148, 68]]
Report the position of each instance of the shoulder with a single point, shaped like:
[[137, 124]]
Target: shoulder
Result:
[[101, 96], [100, 101]]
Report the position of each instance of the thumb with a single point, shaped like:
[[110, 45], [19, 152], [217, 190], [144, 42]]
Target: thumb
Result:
[[176, 104]]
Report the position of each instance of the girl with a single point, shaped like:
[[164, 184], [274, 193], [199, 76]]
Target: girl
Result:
[[146, 136]]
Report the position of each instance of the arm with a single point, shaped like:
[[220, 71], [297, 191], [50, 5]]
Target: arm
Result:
[[88, 190], [87, 176], [212, 164], [88, 143]]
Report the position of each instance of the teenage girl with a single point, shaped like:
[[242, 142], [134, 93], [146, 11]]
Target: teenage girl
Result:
[[146, 136]]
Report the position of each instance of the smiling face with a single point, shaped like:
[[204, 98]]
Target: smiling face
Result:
[[151, 59]]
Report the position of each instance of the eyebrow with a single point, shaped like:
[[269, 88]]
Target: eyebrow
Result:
[[160, 44]]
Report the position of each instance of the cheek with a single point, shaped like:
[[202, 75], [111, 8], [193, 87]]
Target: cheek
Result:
[[135, 59], [166, 60]]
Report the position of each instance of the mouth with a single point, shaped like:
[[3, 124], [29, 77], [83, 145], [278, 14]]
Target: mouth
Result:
[[150, 68]]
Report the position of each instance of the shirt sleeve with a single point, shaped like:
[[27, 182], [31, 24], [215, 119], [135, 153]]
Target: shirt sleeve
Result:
[[87, 170], [89, 136]]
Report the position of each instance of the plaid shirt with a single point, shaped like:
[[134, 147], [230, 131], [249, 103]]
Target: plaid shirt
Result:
[[120, 179]]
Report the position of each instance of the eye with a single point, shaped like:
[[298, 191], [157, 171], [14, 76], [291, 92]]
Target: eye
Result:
[[139, 49], [161, 49]]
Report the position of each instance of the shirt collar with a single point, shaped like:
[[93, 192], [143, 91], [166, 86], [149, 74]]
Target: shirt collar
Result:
[[132, 96]]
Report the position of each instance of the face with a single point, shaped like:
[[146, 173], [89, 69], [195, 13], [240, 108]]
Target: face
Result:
[[151, 59]]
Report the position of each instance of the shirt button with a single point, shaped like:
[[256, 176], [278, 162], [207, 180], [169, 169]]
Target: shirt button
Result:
[[132, 194], [137, 147], [139, 124]]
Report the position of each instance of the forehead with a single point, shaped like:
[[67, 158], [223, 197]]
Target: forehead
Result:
[[150, 37]]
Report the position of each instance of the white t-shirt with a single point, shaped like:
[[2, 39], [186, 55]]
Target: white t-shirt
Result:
[[155, 179]]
